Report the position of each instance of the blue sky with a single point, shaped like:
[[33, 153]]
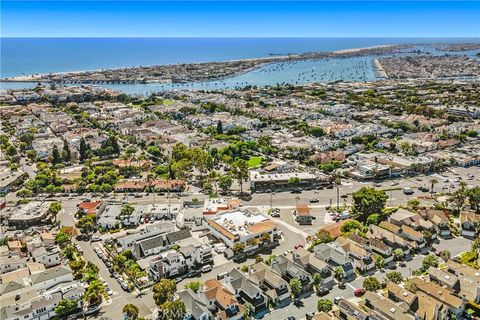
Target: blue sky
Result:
[[240, 19]]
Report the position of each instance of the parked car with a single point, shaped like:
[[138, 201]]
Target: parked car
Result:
[[408, 191], [95, 239], [322, 292], [314, 200], [336, 300], [206, 268], [194, 273], [359, 292], [109, 291], [116, 275]]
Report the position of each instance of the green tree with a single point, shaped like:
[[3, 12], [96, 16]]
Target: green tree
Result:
[[398, 254], [445, 255], [83, 150], [294, 182], [66, 154], [163, 291], [225, 182], [367, 201], [54, 208], [373, 219], [65, 307], [238, 247], [350, 226], [317, 279], [94, 292], [427, 235], [247, 310], [130, 311], [339, 274], [324, 305], [395, 277], [296, 287], [195, 286], [174, 310], [379, 262], [154, 151], [127, 210], [219, 127], [473, 196], [62, 239], [429, 261], [270, 259], [56, 158], [86, 224], [239, 170], [371, 284]]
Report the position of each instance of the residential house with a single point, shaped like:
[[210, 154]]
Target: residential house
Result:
[[439, 219], [387, 308], [158, 243], [373, 245], [221, 301], [12, 263], [411, 219], [335, 256], [313, 264], [247, 291], [469, 224], [272, 284], [47, 255], [405, 232], [435, 291], [349, 311], [289, 270], [391, 239], [196, 308], [51, 277], [363, 260]]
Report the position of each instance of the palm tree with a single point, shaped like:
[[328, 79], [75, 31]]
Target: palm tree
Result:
[[94, 292], [338, 183]]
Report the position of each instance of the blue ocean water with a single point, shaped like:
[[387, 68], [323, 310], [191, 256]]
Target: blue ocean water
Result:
[[44, 55], [21, 56]]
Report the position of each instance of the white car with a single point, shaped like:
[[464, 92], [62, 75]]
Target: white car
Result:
[[109, 291]]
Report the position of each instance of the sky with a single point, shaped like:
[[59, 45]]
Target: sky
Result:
[[240, 18]]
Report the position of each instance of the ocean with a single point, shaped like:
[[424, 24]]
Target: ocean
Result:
[[22, 56]]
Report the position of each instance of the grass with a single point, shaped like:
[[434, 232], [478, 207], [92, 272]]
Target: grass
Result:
[[167, 102], [254, 162]]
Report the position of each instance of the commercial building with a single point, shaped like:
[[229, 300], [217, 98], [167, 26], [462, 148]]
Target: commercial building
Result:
[[30, 214], [262, 182], [240, 226]]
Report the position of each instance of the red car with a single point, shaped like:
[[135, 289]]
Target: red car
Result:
[[299, 245], [359, 292]]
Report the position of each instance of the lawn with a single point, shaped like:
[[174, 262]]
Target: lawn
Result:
[[254, 162]]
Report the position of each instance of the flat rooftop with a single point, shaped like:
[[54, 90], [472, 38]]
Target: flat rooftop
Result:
[[258, 176], [240, 223], [31, 210]]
